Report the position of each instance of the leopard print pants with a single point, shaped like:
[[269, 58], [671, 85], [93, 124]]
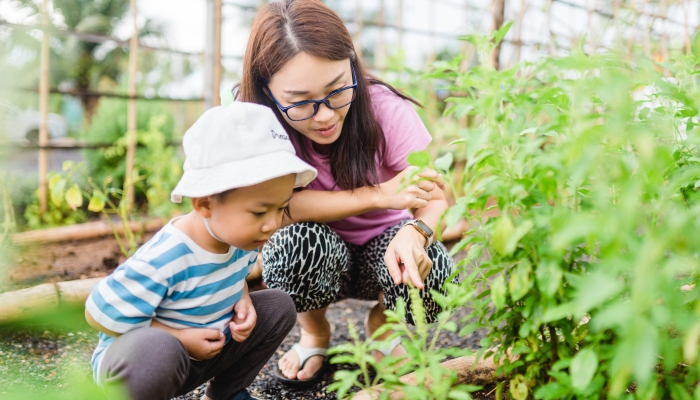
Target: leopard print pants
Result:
[[316, 267]]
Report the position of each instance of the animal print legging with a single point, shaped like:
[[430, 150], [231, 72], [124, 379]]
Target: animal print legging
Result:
[[316, 268]]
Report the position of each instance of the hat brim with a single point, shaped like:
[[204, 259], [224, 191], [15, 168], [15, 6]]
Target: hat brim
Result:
[[243, 173]]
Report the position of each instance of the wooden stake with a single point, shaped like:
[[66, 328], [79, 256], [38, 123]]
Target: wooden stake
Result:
[[499, 8], [44, 111], [398, 21], [357, 37], [217, 69], [519, 32], [552, 42], [664, 37], [380, 49], [131, 114]]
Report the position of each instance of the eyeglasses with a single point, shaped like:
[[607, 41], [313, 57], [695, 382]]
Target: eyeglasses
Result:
[[308, 108]]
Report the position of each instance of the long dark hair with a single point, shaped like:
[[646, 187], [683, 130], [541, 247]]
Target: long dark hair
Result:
[[288, 27]]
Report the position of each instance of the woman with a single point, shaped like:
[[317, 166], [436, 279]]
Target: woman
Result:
[[352, 234]]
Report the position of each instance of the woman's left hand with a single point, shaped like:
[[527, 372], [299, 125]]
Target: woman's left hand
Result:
[[406, 258]]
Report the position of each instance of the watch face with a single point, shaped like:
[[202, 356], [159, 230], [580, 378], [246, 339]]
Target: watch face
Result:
[[424, 227]]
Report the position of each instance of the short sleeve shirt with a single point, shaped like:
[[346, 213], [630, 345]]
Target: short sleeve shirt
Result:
[[404, 133]]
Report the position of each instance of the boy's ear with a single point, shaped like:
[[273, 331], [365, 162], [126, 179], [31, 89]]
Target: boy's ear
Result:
[[202, 206]]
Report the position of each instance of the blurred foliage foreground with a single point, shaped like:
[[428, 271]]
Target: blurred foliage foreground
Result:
[[587, 280]]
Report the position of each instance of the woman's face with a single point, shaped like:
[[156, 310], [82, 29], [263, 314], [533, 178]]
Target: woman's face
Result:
[[305, 77]]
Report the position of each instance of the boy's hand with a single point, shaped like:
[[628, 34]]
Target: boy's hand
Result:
[[201, 344], [244, 319]]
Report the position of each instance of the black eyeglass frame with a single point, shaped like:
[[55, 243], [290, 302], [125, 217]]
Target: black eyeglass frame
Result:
[[317, 103]]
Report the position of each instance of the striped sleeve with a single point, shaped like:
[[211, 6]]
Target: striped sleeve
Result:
[[128, 298]]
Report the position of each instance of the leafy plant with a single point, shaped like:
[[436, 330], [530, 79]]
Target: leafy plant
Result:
[[589, 284], [59, 212], [105, 199], [423, 357]]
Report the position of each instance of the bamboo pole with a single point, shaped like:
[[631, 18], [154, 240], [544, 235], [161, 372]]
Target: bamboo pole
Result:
[[44, 111], [131, 114], [357, 37], [552, 41], [380, 48], [686, 35], [663, 40], [519, 32], [498, 16], [217, 69], [398, 22]]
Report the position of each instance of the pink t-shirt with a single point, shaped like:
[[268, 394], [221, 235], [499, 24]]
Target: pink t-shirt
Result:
[[404, 133]]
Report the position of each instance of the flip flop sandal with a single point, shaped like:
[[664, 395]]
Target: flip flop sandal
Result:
[[386, 350], [304, 355]]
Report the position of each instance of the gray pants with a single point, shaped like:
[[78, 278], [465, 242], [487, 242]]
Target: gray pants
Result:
[[152, 364]]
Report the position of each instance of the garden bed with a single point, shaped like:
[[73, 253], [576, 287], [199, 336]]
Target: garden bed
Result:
[[33, 264]]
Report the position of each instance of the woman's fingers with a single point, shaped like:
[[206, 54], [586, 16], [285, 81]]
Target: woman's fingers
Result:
[[411, 268], [427, 186], [433, 176], [392, 265]]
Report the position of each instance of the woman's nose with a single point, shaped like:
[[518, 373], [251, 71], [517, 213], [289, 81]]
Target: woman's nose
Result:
[[324, 113]]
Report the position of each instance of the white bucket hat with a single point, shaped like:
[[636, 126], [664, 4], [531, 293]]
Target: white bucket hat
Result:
[[238, 145]]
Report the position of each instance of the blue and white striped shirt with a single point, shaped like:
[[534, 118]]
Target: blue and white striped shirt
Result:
[[173, 280]]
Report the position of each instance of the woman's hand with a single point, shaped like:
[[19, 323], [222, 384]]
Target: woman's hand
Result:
[[406, 258], [416, 195]]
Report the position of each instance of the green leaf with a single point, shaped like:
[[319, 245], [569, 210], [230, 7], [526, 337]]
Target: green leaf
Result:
[[445, 162], [74, 198], [97, 201], [501, 234], [583, 368], [519, 283], [505, 237], [554, 390], [501, 33], [498, 292], [57, 186], [419, 159], [595, 289], [548, 276], [518, 388]]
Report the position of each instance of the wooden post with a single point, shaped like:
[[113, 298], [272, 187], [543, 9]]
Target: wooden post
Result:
[[499, 8], [664, 37], [686, 35], [216, 61], [358, 32], [519, 32], [398, 21], [44, 111], [380, 49], [131, 114], [591, 29], [552, 42], [646, 42]]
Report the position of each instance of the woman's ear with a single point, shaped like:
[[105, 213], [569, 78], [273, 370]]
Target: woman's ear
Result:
[[202, 206]]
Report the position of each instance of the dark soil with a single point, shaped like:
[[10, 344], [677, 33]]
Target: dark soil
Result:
[[31, 265]]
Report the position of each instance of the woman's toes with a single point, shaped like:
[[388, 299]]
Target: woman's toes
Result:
[[310, 368]]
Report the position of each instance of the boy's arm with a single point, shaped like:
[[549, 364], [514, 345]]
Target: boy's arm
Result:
[[91, 321]]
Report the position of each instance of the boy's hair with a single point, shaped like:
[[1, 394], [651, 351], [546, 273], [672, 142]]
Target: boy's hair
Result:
[[221, 197]]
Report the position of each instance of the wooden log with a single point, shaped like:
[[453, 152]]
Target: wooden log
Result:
[[131, 114], [75, 292], [469, 371], [27, 302], [82, 231], [44, 112]]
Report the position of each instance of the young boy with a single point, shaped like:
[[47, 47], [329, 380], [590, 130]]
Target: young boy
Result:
[[168, 314]]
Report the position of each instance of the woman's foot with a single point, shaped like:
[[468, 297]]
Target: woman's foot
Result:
[[315, 333], [375, 319]]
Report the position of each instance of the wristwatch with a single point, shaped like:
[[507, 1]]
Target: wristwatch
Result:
[[424, 230]]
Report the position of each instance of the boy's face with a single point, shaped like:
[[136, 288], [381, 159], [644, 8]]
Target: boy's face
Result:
[[248, 216]]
